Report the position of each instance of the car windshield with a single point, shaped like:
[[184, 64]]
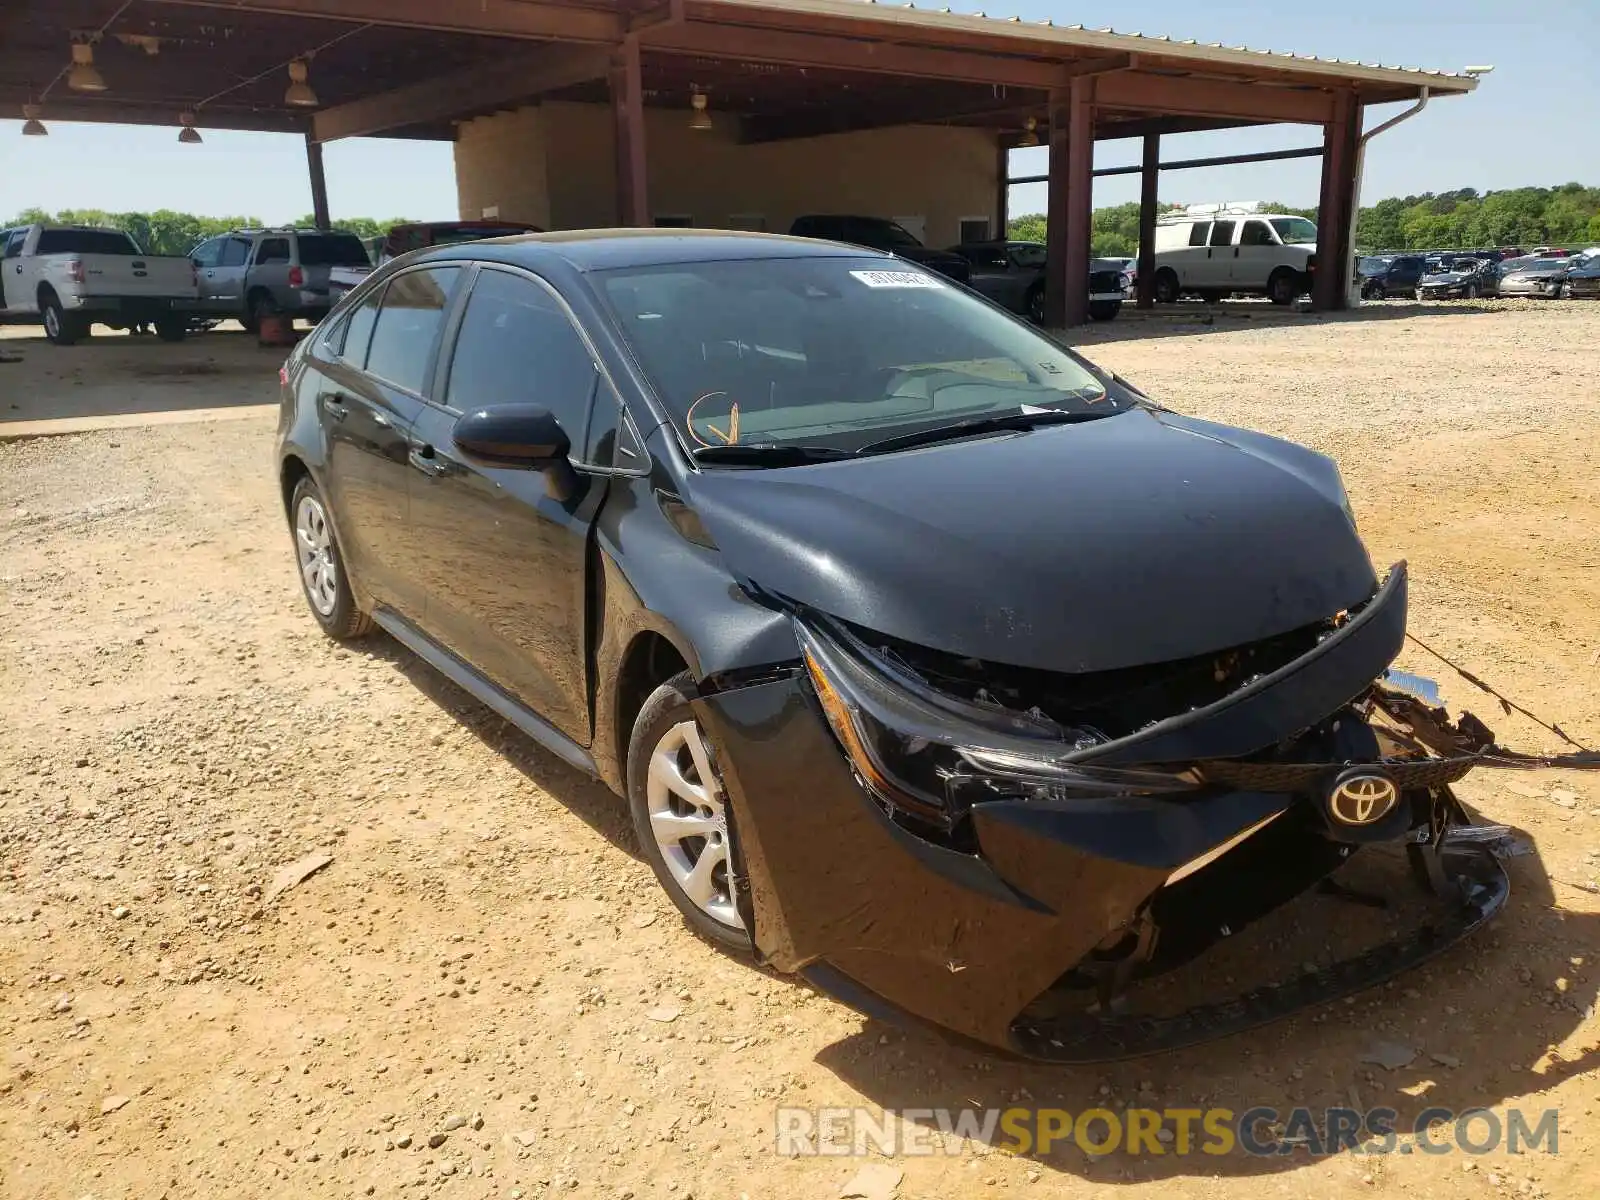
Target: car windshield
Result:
[[836, 352], [1538, 264], [1294, 229], [332, 250], [86, 241], [450, 235], [1373, 266], [1027, 254], [890, 235]]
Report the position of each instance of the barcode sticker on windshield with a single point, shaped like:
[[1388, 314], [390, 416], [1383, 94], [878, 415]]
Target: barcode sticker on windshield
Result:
[[896, 279]]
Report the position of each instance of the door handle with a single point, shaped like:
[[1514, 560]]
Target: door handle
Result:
[[423, 459], [335, 407]]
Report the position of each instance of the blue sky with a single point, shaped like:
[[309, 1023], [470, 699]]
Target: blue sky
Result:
[[1530, 123]]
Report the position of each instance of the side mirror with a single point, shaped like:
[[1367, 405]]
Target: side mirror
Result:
[[520, 436], [512, 435]]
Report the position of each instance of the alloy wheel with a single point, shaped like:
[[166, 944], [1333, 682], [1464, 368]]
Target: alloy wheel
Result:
[[690, 822], [314, 544], [52, 321]]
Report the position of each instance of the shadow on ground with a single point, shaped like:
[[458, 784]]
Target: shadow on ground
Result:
[[1190, 319]]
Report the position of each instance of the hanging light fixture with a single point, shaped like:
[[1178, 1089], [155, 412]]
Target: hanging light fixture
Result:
[[1030, 133], [188, 135], [31, 125], [84, 75], [700, 118], [300, 94]]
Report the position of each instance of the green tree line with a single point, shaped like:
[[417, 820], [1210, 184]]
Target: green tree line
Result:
[[1464, 219], [168, 232]]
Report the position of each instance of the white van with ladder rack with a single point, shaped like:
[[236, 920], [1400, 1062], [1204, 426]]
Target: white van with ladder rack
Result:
[[1214, 250]]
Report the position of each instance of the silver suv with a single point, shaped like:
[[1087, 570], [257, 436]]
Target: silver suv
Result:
[[250, 272]]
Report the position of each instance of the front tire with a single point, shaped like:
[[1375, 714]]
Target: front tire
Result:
[[1104, 310], [172, 329], [323, 578], [681, 816], [1283, 287], [1035, 304], [1167, 288], [258, 305]]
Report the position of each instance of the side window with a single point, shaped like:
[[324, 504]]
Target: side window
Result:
[[234, 252], [517, 346], [207, 254], [1199, 232], [1256, 233], [408, 325], [356, 335], [1222, 233], [272, 250]]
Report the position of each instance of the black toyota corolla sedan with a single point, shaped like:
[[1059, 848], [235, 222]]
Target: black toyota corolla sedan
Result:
[[935, 663]]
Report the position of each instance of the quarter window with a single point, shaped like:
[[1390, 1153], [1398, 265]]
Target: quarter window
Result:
[[408, 325], [517, 346], [357, 333]]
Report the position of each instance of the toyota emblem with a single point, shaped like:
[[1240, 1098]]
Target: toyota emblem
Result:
[[1362, 798]]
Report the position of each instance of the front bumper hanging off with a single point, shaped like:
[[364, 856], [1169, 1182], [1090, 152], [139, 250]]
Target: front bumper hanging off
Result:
[[1080, 898]]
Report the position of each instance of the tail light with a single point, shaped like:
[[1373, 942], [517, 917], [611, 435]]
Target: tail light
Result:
[[283, 375], [75, 270], [297, 277]]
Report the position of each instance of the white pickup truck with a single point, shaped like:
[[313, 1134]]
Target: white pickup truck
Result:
[[66, 277]]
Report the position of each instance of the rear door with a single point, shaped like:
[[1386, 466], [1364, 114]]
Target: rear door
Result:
[[992, 274], [368, 402], [503, 562]]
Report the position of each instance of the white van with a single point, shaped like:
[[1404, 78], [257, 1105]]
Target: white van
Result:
[[1212, 250]]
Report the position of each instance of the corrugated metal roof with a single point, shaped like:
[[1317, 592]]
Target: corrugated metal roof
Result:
[[1047, 32]]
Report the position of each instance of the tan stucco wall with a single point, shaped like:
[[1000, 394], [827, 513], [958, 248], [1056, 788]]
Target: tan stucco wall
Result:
[[500, 164], [561, 155]]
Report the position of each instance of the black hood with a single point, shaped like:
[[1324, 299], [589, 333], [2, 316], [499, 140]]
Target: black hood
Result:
[[942, 261], [1137, 538]]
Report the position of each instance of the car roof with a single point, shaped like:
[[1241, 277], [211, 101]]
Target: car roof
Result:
[[606, 249]]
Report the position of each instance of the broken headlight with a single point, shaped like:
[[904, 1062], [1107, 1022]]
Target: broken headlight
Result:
[[933, 756]]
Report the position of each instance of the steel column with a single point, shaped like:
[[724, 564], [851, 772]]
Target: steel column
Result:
[[1149, 191], [627, 107], [1340, 141], [1080, 198], [319, 183]]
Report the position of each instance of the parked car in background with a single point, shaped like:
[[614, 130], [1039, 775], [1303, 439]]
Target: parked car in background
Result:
[[1509, 252], [933, 661], [1012, 275], [249, 273], [1213, 250], [67, 277], [1382, 276], [417, 235], [1583, 279], [880, 233], [1549, 252], [1534, 276], [1460, 277]]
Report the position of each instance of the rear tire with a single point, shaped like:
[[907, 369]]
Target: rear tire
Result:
[[324, 580], [1034, 305], [257, 305], [172, 329], [1167, 288], [680, 813], [61, 327], [1104, 310], [1283, 287]]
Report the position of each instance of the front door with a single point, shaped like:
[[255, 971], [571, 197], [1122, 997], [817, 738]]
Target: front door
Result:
[[369, 406], [11, 282], [1256, 256], [502, 560]]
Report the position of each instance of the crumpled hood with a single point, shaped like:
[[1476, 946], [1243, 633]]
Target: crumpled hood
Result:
[[1138, 538], [1446, 279]]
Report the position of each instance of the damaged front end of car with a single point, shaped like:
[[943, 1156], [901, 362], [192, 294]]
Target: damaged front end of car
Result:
[[1020, 857]]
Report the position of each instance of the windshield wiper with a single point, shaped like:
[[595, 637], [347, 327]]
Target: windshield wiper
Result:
[[1002, 423], [768, 454]]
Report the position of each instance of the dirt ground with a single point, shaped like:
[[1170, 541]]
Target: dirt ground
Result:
[[485, 994]]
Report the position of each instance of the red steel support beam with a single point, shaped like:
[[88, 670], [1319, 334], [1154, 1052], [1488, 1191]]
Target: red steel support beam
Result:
[[1080, 196], [627, 107], [1341, 136], [319, 182], [1143, 91], [1149, 193], [1071, 195], [1002, 191], [502, 18]]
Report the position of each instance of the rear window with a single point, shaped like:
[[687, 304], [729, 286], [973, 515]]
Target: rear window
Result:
[[332, 250], [86, 241]]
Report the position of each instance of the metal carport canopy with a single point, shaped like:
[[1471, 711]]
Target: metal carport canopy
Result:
[[789, 68]]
